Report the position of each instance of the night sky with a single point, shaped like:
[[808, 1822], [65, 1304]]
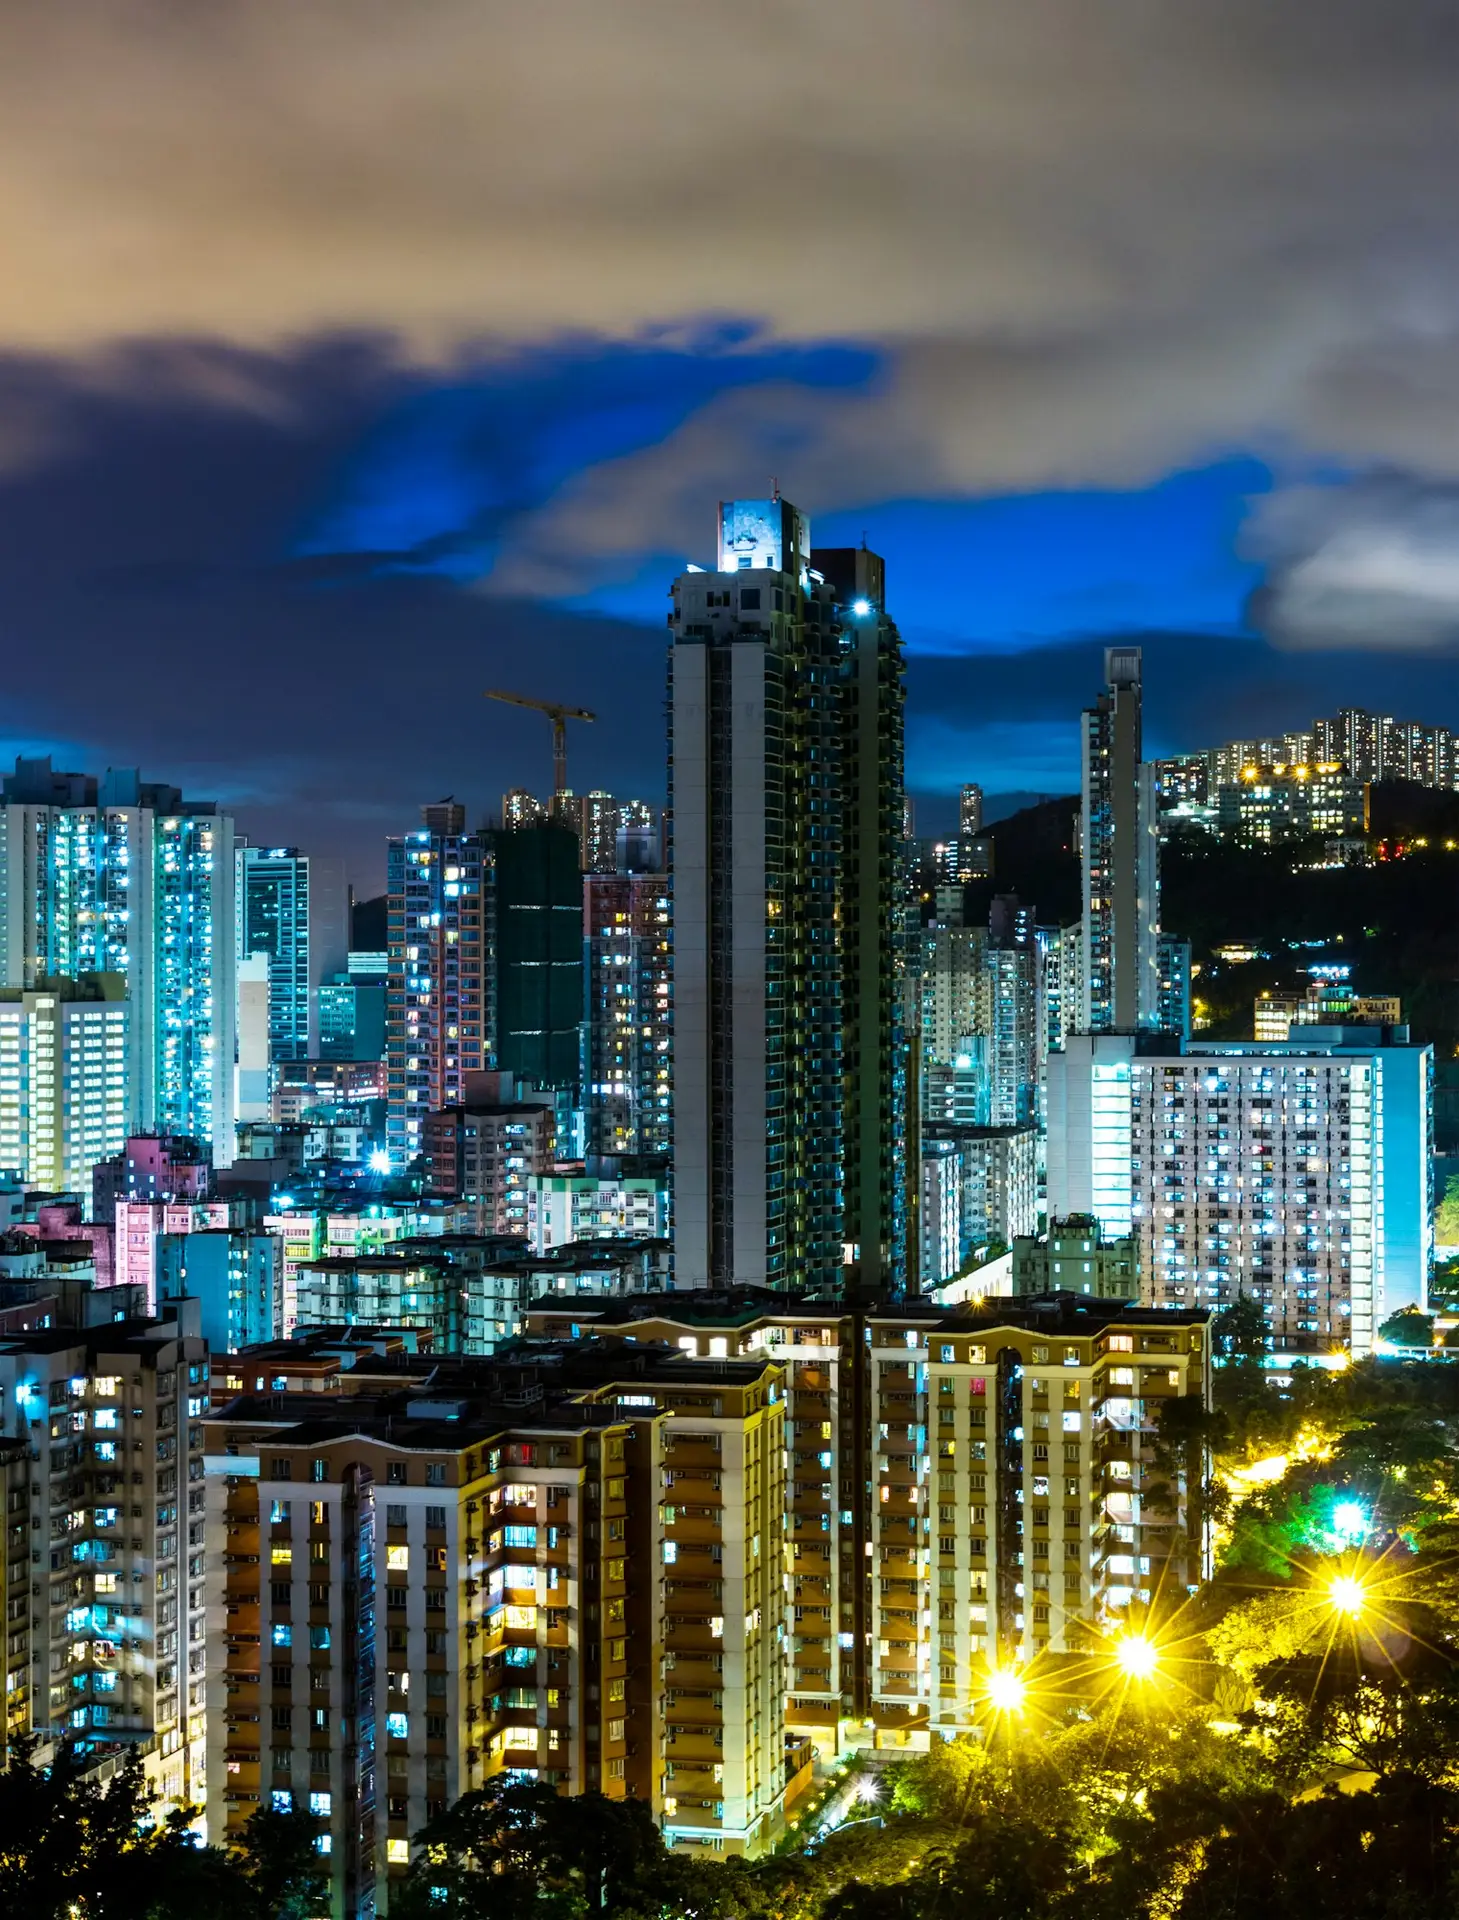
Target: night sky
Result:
[[355, 357]]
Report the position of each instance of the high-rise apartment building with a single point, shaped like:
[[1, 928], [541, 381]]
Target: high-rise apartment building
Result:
[[1016, 1505], [440, 1013], [970, 812], [293, 907], [64, 1096], [1013, 1014], [486, 1150], [1294, 1172], [787, 817], [273, 921], [123, 877], [626, 965], [1119, 850], [599, 816], [954, 989], [496, 1584], [113, 1415]]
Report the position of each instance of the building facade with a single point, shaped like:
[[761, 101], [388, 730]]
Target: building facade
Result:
[[113, 1417], [1015, 1504], [477, 1591], [1076, 1256], [787, 813], [64, 1094], [123, 877], [626, 966], [1119, 850], [1296, 1173], [1267, 804], [440, 1011]]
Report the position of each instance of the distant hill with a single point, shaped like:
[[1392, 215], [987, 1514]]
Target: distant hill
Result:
[[1036, 857]]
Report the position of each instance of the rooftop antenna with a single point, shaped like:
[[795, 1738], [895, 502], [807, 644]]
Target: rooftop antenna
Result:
[[774, 488]]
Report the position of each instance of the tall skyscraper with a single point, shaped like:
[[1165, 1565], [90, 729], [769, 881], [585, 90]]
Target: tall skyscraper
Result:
[[539, 954], [273, 920], [871, 694], [626, 961], [786, 821], [440, 992], [1120, 851], [970, 812], [1014, 1014], [125, 877]]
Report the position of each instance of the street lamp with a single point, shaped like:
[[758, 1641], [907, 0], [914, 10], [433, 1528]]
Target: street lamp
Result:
[[1007, 1690], [1347, 1595], [1136, 1657]]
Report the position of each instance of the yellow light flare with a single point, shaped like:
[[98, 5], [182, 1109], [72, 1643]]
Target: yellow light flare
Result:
[[1136, 1656], [1006, 1690], [1347, 1595]]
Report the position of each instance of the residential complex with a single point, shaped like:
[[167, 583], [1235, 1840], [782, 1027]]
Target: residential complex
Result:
[[440, 1001], [964, 1489], [1296, 1172], [114, 1575], [125, 878], [479, 1573], [626, 961], [1268, 803], [65, 1099]]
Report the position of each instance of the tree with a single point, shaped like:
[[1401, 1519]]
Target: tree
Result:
[[1408, 1328], [284, 1874], [1446, 1219], [515, 1849], [70, 1847], [1240, 1330]]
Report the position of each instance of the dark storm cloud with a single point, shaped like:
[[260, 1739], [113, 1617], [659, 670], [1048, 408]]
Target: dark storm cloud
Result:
[[154, 611]]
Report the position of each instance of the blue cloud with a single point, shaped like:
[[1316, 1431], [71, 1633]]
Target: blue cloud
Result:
[[437, 483]]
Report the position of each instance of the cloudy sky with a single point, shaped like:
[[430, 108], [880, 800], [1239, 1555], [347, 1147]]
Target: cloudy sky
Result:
[[355, 357]]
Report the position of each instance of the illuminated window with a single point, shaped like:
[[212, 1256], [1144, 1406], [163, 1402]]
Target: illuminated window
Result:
[[282, 1556], [397, 1852], [397, 1559], [397, 1726]]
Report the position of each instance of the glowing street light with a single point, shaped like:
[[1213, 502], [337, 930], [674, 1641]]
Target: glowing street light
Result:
[[1350, 1520], [379, 1160], [1347, 1595], [867, 1788], [1136, 1657], [1007, 1690]]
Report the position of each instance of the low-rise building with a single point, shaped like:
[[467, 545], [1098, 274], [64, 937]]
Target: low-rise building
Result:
[[1267, 803], [1076, 1256], [606, 1198]]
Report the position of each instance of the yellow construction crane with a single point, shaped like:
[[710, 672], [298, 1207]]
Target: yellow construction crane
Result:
[[559, 716]]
